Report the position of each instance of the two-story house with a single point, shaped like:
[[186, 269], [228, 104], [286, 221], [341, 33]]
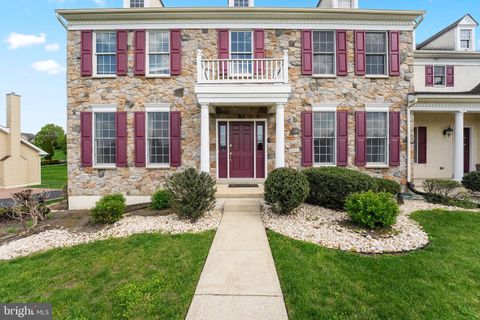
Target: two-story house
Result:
[[447, 91], [235, 91]]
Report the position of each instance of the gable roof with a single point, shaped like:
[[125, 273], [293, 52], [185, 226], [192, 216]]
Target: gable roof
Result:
[[442, 32], [25, 142]]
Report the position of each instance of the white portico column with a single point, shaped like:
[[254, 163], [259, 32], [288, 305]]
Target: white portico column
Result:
[[280, 137], [458, 163], [205, 139]]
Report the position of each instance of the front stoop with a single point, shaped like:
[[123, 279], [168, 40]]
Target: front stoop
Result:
[[239, 279], [225, 192]]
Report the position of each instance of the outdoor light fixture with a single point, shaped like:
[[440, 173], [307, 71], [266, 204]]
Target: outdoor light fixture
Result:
[[447, 131]]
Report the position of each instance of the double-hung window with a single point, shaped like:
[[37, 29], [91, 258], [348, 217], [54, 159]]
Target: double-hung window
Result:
[[158, 138], [240, 3], [439, 75], [376, 53], [104, 138], [324, 138], [241, 52], [377, 137], [106, 53], [465, 39], [137, 3], [158, 53], [344, 3], [324, 52]]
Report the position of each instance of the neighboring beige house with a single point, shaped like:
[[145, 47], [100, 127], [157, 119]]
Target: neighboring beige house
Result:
[[447, 91], [19, 160]]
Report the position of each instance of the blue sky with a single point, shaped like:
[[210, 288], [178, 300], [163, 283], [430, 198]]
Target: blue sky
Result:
[[32, 45]]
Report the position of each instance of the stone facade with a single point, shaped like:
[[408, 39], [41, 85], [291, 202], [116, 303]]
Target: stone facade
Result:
[[131, 93]]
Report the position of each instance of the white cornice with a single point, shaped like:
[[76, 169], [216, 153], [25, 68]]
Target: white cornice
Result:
[[446, 107]]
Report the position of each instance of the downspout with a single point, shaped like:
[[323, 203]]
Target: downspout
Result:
[[410, 184]]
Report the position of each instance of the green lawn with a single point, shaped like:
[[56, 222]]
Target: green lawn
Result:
[[53, 177], [59, 155], [441, 281], [149, 276]]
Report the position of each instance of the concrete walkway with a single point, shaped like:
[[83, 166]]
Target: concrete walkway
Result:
[[239, 279]]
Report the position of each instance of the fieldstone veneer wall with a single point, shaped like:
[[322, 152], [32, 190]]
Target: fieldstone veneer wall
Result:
[[130, 93]]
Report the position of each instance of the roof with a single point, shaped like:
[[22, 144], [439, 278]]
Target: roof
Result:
[[442, 32], [474, 92], [25, 142]]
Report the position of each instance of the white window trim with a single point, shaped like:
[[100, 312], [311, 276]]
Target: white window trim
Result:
[[380, 108], [459, 40], [94, 57], [230, 50], [387, 61], [231, 3], [99, 108], [354, 3], [326, 75], [151, 108], [325, 108], [126, 3], [147, 56], [444, 76]]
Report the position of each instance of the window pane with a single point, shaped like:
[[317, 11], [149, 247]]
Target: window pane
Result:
[[159, 42], [223, 137], [158, 126], [439, 75], [241, 42], [324, 137], [323, 42], [260, 138], [376, 64], [323, 64], [137, 3], [240, 3], [376, 42], [377, 135], [107, 64], [105, 138], [344, 3], [159, 64], [106, 42]]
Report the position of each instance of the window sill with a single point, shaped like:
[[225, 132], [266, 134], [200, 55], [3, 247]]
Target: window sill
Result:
[[377, 76], [106, 167], [158, 167], [324, 76], [155, 76], [377, 166], [319, 165], [99, 76]]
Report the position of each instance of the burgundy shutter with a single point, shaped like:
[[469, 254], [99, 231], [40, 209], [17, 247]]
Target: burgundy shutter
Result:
[[175, 52], [342, 138], [258, 49], [307, 138], [422, 144], [360, 138], [121, 128], [429, 76], [360, 64], [175, 139], [140, 58], [342, 62], [86, 138], [450, 76], [86, 53], [140, 139], [394, 138], [122, 53], [223, 48], [307, 53], [394, 53]]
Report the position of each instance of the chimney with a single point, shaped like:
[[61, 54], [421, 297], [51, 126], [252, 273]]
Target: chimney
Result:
[[13, 123]]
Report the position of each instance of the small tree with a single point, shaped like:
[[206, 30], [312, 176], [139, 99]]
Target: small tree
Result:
[[49, 138]]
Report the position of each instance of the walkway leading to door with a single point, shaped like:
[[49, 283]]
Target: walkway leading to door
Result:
[[239, 280]]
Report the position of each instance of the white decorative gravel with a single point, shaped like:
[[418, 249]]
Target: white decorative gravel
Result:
[[328, 228], [129, 225]]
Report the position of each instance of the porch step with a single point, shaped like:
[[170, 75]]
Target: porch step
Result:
[[225, 192]]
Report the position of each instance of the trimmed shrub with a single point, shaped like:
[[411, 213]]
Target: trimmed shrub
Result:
[[471, 181], [285, 190], [392, 187], [372, 210], [161, 200], [443, 188], [330, 187], [109, 209], [192, 193]]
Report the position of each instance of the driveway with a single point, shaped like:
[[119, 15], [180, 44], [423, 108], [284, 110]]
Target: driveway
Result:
[[7, 194]]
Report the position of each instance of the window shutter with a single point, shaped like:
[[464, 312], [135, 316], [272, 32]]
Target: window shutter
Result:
[[429, 76], [342, 138], [258, 49], [121, 137], [176, 52], [307, 138], [422, 145], [86, 138], [394, 138], [140, 139], [223, 48], [450, 76], [86, 53], [140, 58], [342, 62], [360, 138], [394, 53], [360, 63], [122, 53], [307, 53], [175, 139]]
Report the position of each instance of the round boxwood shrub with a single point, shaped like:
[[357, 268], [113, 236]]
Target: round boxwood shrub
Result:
[[285, 190], [372, 210], [161, 200], [471, 181], [192, 193], [330, 187], [109, 209], [390, 186]]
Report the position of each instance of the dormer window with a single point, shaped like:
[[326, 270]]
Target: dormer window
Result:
[[465, 39], [137, 3], [240, 3]]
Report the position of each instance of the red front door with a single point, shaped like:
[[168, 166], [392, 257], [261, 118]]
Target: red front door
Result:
[[241, 150], [466, 150]]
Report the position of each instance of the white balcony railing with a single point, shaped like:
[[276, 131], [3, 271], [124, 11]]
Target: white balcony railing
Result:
[[242, 70]]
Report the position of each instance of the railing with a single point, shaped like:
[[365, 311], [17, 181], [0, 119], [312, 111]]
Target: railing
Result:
[[242, 70]]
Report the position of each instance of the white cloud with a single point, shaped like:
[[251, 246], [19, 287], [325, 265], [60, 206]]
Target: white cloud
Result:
[[100, 3], [48, 66], [18, 40], [52, 47]]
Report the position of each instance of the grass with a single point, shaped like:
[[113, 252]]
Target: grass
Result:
[[148, 276], [59, 155], [441, 281], [53, 177]]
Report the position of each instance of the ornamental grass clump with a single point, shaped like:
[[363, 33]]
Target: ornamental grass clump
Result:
[[372, 210]]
